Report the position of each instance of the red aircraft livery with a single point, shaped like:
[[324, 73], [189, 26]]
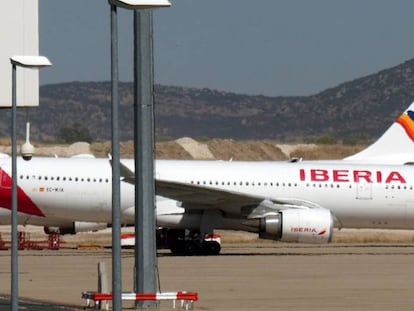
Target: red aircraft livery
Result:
[[344, 175]]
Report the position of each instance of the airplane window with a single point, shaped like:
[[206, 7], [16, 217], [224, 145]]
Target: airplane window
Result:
[[289, 184], [271, 184], [46, 178], [107, 180], [21, 176], [40, 178], [58, 178], [88, 179], [76, 178]]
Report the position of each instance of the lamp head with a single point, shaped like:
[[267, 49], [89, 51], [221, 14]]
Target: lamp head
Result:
[[30, 61], [140, 4]]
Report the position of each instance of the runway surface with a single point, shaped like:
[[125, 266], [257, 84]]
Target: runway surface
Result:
[[272, 276], [35, 305]]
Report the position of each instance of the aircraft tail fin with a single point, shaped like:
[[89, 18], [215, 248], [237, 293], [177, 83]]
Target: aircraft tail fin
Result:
[[395, 146]]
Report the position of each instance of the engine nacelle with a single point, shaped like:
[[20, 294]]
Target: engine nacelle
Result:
[[77, 226], [298, 225]]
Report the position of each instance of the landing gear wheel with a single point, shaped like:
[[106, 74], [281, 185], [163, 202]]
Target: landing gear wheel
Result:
[[211, 248], [189, 243], [190, 248]]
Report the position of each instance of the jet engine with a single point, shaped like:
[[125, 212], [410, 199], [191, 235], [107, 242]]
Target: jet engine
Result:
[[77, 226], [298, 225]]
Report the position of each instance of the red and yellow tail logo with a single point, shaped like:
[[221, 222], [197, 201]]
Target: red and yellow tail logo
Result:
[[322, 232], [406, 120]]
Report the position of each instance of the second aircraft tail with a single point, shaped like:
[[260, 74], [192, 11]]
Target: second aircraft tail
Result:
[[395, 146]]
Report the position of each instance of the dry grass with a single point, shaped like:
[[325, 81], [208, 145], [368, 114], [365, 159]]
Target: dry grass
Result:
[[101, 149], [326, 152], [373, 236], [349, 236], [223, 149], [5, 142], [237, 150]]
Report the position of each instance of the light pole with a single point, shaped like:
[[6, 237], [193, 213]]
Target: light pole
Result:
[[145, 237], [116, 186], [140, 223], [25, 62]]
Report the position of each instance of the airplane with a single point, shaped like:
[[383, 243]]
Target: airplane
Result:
[[292, 201]]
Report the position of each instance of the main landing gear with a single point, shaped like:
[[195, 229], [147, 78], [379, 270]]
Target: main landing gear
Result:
[[189, 242]]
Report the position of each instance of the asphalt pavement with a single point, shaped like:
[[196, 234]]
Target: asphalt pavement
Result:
[[261, 276], [35, 305]]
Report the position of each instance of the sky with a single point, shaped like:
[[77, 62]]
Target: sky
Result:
[[262, 47]]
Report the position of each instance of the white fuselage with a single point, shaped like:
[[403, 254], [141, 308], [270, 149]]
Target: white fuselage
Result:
[[54, 191], [359, 196]]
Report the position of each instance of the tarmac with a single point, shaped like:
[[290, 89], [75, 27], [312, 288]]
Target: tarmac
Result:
[[263, 276], [35, 306]]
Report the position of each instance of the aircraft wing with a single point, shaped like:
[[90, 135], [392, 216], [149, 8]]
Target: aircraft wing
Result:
[[200, 197]]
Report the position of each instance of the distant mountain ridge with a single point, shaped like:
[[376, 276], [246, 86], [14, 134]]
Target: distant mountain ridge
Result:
[[366, 106]]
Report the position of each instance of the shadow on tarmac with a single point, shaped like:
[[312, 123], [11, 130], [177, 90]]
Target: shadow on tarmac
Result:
[[35, 305]]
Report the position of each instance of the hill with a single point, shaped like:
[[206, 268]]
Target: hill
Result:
[[364, 107]]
